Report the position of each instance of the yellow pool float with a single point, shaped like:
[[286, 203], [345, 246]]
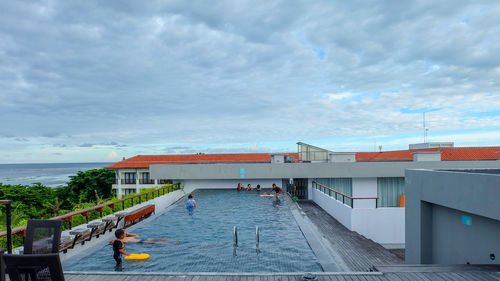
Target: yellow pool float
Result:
[[137, 257]]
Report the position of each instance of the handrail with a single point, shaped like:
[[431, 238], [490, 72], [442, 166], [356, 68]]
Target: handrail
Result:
[[85, 212], [8, 223], [235, 236], [345, 195], [257, 238]]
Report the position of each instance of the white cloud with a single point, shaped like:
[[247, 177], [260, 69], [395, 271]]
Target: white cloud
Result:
[[243, 73]]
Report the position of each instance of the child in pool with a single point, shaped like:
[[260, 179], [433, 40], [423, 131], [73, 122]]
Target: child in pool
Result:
[[249, 187], [258, 188], [191, 203], [119, 248]]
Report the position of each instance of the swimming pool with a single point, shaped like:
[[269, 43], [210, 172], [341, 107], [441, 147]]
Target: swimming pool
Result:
[[206, 238]]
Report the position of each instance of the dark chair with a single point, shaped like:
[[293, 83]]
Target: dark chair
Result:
[[42, 236], [18, 265]]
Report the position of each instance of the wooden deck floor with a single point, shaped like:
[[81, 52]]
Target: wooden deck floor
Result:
[[358, 253], [390, 276]]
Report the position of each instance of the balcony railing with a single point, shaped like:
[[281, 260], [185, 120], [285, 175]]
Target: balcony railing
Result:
[[146, 181], [128, 181], [336, 194]]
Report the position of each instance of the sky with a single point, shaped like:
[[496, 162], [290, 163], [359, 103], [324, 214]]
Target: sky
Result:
[[95, 81]]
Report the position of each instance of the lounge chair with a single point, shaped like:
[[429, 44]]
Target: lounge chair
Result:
[[19, 265]]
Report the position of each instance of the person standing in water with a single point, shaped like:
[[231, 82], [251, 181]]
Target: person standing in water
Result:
[[276, 189], [190, 204]]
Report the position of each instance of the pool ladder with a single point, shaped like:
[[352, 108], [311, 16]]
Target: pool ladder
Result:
[[235, 236]]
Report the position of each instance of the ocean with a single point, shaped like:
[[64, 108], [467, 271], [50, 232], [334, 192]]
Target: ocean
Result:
[[49, 174]]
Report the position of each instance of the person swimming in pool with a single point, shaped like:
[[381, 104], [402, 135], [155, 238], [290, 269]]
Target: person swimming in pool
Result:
[[240, 187], [258, 188], [132, 238], [249, 187]]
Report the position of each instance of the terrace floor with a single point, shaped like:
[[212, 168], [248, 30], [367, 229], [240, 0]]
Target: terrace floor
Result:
[[357, 252], [379, 276]]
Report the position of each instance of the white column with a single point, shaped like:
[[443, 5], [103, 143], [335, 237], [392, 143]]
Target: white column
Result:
[[119, 191], [136, 181]]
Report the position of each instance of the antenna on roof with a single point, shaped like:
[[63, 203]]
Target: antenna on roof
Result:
[[425, 129], [379, 148]]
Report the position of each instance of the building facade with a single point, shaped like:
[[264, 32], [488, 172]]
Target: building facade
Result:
[[362, 190]]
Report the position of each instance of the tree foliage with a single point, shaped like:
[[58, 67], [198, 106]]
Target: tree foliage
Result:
[[90, 185]]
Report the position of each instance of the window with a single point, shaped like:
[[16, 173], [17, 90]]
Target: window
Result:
[[128, 178], [389, 190]]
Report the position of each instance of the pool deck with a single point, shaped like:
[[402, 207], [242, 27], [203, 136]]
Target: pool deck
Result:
[[406, 275], [356, 251]]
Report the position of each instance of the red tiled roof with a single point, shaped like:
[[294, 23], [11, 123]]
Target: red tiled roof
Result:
[[143, 161], [447, 154]]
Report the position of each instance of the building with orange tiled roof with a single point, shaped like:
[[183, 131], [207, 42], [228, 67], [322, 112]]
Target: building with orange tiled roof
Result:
[[363, 190], [132, 174]]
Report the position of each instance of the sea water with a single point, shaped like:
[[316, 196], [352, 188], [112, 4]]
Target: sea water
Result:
[[49, 174]]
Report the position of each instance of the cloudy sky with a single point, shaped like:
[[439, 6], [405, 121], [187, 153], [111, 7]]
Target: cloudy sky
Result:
[[85, 81]]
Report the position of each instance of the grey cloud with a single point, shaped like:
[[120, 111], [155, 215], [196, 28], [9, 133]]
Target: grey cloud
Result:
[[86, 145], [50, 134], [235, 72]]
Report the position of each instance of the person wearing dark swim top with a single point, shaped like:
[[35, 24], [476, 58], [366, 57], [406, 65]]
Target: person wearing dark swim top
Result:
[[119, 248], [239, 186], [276, 189], [249, 187], [258, 188]]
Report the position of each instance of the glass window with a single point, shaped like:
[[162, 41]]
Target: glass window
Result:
[[389, 190]]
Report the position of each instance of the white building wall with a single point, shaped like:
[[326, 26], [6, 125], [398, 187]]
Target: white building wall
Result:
[[364, 187], [333, 207], [382, 225], [385, 226]]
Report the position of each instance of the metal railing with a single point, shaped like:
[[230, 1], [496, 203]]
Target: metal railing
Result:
[[146, 181], [128, 181], [328, 190], [21, 230]]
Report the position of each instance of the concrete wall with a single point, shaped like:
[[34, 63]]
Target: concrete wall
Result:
[[364, 188], [437, 203], [336, 209], [459, 244], [305, 170], [382, 225], [385, 226]]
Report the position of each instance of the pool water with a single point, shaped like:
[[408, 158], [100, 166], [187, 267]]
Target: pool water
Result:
[[206, 238]]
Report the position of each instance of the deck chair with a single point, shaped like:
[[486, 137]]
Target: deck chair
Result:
[[42, 236], [18, 265]]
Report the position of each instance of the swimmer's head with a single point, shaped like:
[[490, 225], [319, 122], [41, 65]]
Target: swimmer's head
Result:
[[258, 186], [190, 196], [119, 233], [274, 185], [248, 185]]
